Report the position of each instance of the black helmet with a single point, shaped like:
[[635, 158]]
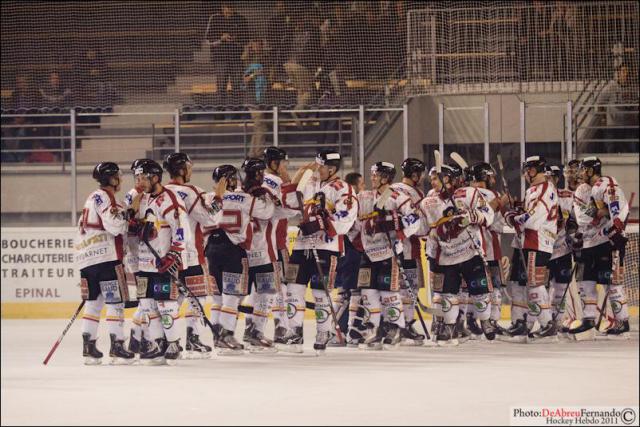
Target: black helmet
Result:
[[385, 169], [575, 163], [174, 162], [224, 171], [537, 162], [412, 165], [553, 170], [481, 171], [149, 168], [329, 158], [452, 170], [274, 153], [104, 171], [138, 162], [251, 165], [592, 162]]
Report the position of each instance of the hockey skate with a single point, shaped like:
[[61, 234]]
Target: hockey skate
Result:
[[546, 334], [500, 331], [586, 331], [322, 339], [119, 355], [279, 333], [258, 343], [91, 354], [619, 331], [217, 329], [372, 337], [436, 325], [445, 337], [152, 353], [475, 330], [134, 344], [409, 336], [391, 340], [195, 349], [227, 344], [294, 341], [460, 332], [172, 352], [333, 341], [488, 330], [517, 333], [248, 327], [354, 338]]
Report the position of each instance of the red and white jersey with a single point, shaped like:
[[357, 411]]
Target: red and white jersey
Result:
[[399, 205], [459, 248], [491, 233], [411, 245], [539, 223], [582, 204], [238, 211], [606, 193], [341, 203], [200, 216], [431, 243], [131, 239], [565, 210], [101, 230], [273, 183], [171, 228]]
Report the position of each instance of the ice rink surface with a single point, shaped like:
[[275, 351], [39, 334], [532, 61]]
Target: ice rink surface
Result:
[[475, 383]]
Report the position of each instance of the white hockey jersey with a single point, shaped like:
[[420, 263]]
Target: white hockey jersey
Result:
[[171, 230], [491, 233], [101, 230], [606, 193], [200, 216], [283, 213], [411, 245], [538, 224], [398, 207], [430, 242], [238, 211], [341, 202], [458, 248], [565, 211], [582, 205], [132, 240]]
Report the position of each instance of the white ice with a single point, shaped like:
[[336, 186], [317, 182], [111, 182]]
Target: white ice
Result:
[[475, 383]]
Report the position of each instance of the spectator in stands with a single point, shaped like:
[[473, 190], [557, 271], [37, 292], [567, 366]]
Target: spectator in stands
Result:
[[10, 139], [54, 93], [332, 51], [255, 81], [621, 115], [227, 37], [42, 155], [93, 87], [25, 97], [279, 41], [303, 61]]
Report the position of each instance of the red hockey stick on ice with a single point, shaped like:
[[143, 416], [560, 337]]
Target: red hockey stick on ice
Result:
[[57, 343]]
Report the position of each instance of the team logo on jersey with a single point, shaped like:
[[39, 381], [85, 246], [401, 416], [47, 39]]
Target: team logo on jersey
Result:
[[167, 321], [393, 314], [98, 199], [291, 310], [480, 306], [446, 304], [180, 234], [616, 306], [534, 308], [321, 315], [182, 194], [128, 198]]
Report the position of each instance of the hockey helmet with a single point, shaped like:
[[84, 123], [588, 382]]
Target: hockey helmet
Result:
[[104, 171], [411, 165], [174, 162], [384, 169]]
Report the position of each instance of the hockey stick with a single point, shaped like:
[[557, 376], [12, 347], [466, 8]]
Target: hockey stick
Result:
[[564, 294], [505, 188], [176, 276], [606, 295], [64, 332]]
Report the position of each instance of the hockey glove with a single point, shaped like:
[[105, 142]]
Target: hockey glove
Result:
[[170, 262], [470, 218], [616, 236], [571, 226], [312, 226]]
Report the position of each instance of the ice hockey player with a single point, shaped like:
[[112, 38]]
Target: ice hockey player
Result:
[[536, 227], [195, 275], [165, 240], [131, 204], [382, 231], [605, 214], [227, 250], [454, 216], [413, 171], [99, 253], [561, 262], [483, 177], [277, 182], [262, 256], [329, 210]]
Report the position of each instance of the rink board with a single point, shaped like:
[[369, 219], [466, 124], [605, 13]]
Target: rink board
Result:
[[40, 279]]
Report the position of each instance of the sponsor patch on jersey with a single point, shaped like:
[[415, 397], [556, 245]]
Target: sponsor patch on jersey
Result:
[[234, 197], [364, 278], [232, 283], [128, 198], [182, 194], [180, 234], [271, 183], [265, 283], [111, 291], [98, 199]]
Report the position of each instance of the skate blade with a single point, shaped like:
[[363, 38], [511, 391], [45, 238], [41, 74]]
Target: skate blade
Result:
[[336, 345], [620, 337], [518, 339], [229, 352], [262, 350], [589, 335], [290, 348], [92, 361], [390, 347], [406, 342], [544, 340], [430, 343], [158, 361], [353, 345], [172, 362], [474, 337], [320, 353], [462, 340], [121, 361], [196, 355], [449, 343], [370, 347]]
